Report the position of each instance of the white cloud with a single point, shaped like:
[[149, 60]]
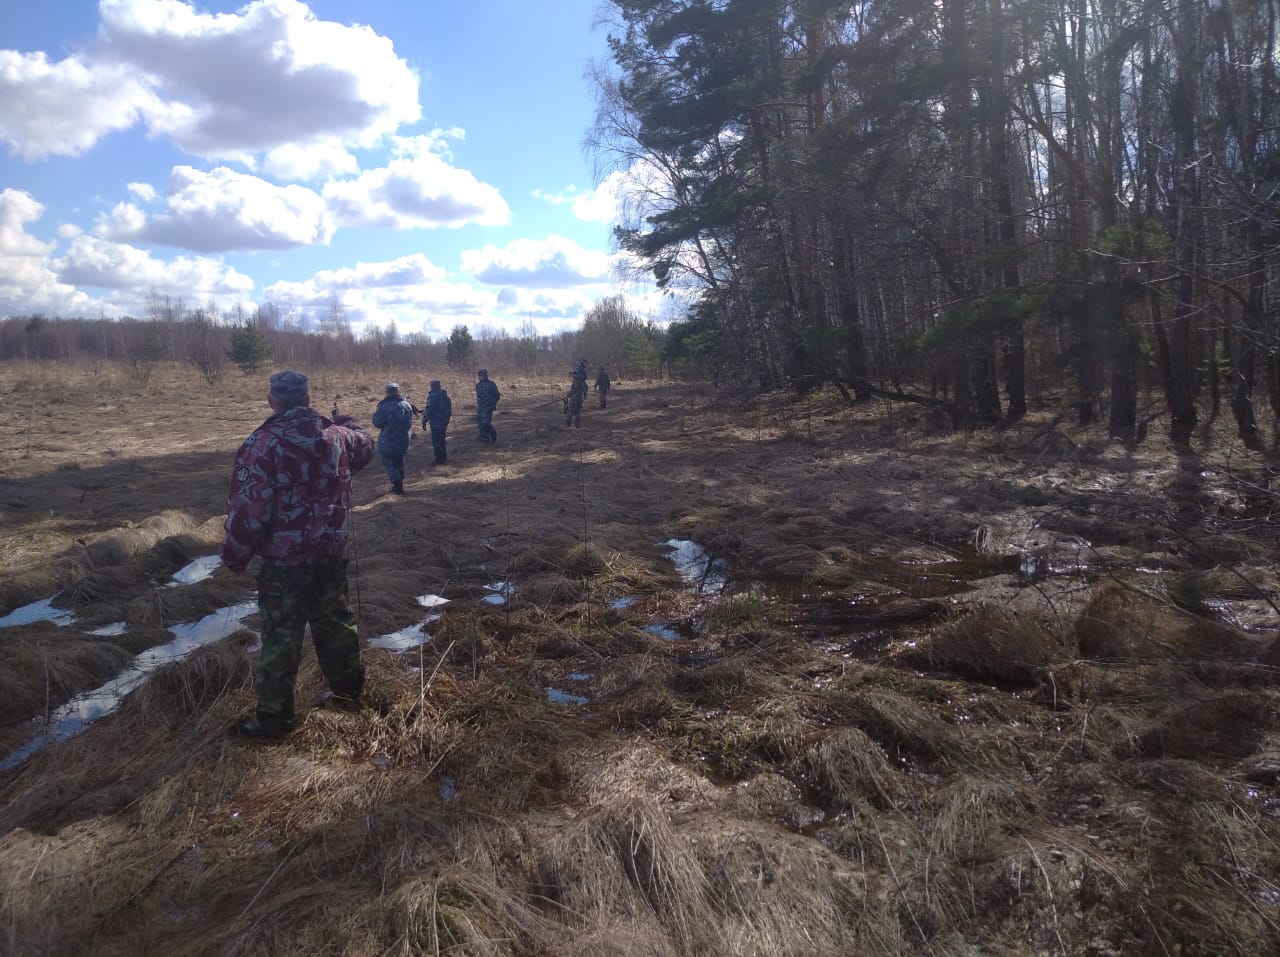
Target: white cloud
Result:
[[90, 261], [223, 210], [418, 188], [64, 108], [143, 192], [27, 285], [294, 161], [268, 75], [638, 189], [411, 291], [551, 263]]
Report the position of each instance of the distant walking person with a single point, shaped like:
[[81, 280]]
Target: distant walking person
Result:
[[289, 502], [602, 386], [394, 416], [436, 417], [487, 396], [577, 393]]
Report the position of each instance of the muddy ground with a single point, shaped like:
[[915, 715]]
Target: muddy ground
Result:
[[945, 693]]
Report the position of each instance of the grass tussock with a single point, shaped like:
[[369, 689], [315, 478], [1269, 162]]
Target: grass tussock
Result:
[[847, 767], [996, 644], [975, 815], [624, 861], [1231, 724], [896, 723], [37, 675]]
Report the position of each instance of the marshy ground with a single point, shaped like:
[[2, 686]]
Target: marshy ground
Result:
[[944, 693]]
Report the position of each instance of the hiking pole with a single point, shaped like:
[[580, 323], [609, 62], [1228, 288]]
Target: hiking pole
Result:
[[355, 542]]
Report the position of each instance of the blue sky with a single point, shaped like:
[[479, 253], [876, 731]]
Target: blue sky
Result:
[[413, 161]]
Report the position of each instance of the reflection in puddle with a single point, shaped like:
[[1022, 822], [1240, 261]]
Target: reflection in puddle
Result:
[[620, 603], [581, 676], [556, 696], [432, 601], [197, 571], [703, 574], [38, 611], [447, 789], [502, 593], [672, 630], [406, 638], [82, 710], [113, 630]]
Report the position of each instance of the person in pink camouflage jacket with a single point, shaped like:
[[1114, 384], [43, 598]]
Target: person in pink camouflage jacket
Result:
[[289, 502]]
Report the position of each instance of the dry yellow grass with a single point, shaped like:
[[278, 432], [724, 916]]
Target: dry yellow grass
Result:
[[879, 740]]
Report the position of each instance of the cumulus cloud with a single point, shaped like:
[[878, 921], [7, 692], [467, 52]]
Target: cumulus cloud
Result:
[[418, 188], [90, 261], [222, 210], [27, 284], [270, 74], [270, 78], [64, 108], [551, 263], [638, 189], [411, 291]]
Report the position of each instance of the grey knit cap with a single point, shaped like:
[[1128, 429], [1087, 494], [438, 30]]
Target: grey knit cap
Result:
[[289, 386]]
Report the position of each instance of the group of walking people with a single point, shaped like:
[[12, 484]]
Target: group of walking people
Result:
[[289, 503], [395, 415]]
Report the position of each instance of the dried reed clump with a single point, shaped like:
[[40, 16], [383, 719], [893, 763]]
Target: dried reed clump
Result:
[[974, 816], [773, 895], [462, 912], [1230, 724], [1126, 624], [189, 685], [994, 644], [120, 545], [624, 861], [898, 724], [39, 674], [847, 767], [584, 560]]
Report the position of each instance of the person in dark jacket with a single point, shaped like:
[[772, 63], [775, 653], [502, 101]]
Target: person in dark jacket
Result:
[[394, 416], [487, 396], [436, 417], [289, 503], [602, 386], [577, 393]]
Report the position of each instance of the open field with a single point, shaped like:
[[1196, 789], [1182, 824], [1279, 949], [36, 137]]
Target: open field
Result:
[[941, 693]]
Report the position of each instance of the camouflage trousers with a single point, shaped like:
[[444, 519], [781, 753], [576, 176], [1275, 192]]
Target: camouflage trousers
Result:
[[573, 410], [289, 598]]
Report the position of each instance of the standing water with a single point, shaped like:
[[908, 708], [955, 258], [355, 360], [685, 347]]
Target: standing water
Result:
[[81, 711]]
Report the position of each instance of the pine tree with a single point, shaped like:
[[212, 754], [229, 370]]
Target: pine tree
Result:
[[250, 349]]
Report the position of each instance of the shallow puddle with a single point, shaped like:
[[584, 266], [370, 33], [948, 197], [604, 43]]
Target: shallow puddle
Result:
[[703, 574], [503, 592], [672, 630], [38, 611], [620, 603], [81, 711], [556, 696], [113, 630], [431, 601], [197, 571], [406, 638]]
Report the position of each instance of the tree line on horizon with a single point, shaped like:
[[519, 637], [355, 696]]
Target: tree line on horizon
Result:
[[611, 335], [970, 203]]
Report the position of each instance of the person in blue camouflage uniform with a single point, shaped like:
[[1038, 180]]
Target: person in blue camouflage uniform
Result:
[[394, 416], [487, 396], [577, 393], [436, 417], [288, 503]]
